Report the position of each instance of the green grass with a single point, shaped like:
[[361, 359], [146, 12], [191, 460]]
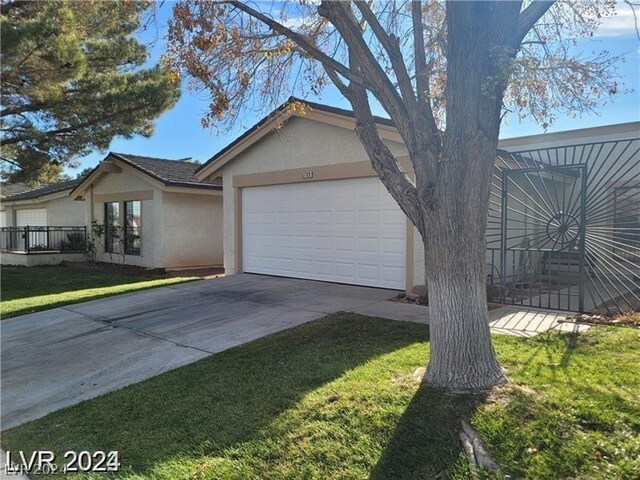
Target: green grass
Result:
[[335, 398], [27, 290]]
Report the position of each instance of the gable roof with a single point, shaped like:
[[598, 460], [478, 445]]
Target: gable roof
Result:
[[170, 173], [272, 121], [10, 189], [43, 191]]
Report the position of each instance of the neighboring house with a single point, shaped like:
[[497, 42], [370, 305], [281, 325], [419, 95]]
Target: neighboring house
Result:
[[302, 200], [42, 221], [157, 214], [8, 190]]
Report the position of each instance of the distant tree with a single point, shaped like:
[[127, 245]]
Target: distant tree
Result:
[[445, 72], [84, 172], [73, 78]]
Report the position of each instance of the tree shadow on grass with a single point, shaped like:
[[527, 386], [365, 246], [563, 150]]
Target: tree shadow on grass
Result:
[[426, 444], [219, 402]]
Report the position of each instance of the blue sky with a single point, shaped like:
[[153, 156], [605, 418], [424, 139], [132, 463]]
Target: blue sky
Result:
[[178, 133]]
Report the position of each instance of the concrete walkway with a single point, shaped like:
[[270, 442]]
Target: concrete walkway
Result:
[[529, 322], [507, 320], [60, 357]]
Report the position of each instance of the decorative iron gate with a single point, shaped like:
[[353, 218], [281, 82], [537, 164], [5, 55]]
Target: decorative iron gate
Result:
[[564, 228]]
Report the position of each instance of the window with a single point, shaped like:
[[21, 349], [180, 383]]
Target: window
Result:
[[132, 228], [111, 227], [626, 223]]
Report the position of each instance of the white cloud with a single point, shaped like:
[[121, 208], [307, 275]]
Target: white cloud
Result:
[[621, 24]]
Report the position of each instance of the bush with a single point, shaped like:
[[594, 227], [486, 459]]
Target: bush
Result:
[[74, 241]]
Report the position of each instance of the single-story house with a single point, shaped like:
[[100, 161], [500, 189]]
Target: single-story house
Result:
[[302, 200], [40, 224], [156, 213], [9, 190]]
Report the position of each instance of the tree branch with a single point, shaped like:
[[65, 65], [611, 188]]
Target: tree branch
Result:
[[530, 15], [392, 47], [419, 51], [378, 82], [383, 161], [12, 162], [420, 60], [300, 40], [60, 131]]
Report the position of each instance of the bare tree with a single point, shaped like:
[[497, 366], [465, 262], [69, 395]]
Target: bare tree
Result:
[[444, 73]]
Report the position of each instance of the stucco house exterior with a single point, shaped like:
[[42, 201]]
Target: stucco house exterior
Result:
[[41, 225], [9, 190], [157, 213], [302, 200]]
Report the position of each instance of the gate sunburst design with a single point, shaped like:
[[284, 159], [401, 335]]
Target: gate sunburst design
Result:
[[564, 227]]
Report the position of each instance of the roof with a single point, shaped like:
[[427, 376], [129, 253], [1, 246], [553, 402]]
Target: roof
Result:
[[10, 189], [281, 109], [42, 191], [170, 172]]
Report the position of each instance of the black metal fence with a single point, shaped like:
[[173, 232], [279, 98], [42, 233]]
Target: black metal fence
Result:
[[30, 239], [564, 228]]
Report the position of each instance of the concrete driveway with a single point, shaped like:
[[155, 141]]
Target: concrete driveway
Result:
[[60, 357]]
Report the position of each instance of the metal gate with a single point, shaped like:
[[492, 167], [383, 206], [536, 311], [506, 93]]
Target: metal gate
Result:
[[564, 228]]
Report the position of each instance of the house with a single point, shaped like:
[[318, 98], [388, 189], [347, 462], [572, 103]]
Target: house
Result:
[[302, 200], [156, 213], [8, 190], [42, 226]]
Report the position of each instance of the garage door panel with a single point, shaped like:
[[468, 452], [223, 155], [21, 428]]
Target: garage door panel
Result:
[[33, 217], [348, 231]]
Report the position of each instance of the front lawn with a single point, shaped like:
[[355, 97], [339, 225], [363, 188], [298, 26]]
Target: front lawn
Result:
[[26, 290], [336, 399]]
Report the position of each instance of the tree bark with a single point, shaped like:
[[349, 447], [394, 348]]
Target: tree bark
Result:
[[461, 358]]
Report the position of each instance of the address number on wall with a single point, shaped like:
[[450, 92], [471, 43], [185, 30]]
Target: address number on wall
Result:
[[307, 174]]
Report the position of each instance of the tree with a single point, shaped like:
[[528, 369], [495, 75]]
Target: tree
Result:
[[444, 73], [73, 78]]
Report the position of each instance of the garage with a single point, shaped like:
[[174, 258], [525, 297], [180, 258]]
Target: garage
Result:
[[346, 231], [35, 217]]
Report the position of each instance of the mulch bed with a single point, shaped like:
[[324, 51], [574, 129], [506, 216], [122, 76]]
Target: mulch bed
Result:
[[410, 299], [627, 319], [413, 299]]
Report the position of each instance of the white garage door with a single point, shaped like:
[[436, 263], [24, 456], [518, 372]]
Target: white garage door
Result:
[[346, 231], [36, 217]]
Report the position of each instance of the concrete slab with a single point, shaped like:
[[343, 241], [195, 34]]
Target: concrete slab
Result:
[[528, 322], [60, 357]]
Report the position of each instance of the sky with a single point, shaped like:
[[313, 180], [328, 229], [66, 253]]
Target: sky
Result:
[[179, 134]]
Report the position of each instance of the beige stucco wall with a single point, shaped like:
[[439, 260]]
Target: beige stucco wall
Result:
[[118, 183], [300, 143], [61, 212], [178, 229], [192, 230]]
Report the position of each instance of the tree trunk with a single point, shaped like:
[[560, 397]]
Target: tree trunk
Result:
[[481, 38], [462, 358]]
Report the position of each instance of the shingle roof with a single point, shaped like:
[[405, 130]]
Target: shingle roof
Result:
[[169, 172], [46, 190], [9, 189]]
